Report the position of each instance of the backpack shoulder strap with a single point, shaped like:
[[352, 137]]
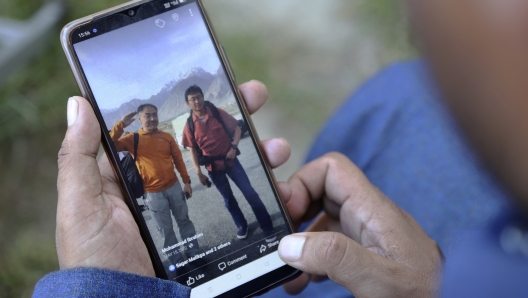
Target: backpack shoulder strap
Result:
[[136, 143], [190, 123], [218, 117]]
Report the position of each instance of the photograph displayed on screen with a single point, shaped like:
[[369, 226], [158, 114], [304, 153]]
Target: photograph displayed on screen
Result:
[[173, 116]]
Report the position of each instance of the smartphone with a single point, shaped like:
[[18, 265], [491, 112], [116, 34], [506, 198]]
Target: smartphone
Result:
[[165, 96]]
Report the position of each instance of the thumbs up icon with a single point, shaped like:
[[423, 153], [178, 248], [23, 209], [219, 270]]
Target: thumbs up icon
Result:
[[190, 281]]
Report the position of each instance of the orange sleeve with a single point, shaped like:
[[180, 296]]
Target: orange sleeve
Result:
[[125, 143], [178, 161]]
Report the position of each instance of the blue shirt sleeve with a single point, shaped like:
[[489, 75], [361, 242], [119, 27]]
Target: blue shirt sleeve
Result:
[[94, 282]]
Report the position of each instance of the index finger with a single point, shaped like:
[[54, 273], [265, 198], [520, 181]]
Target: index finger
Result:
[[334, 184], [254, 94]]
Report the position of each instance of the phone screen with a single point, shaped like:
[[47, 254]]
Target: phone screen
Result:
[[166, 101]]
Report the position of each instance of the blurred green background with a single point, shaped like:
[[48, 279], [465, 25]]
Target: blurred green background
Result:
[[311, 54]]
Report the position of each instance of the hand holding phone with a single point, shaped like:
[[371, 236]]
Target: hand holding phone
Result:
[[88, 190]]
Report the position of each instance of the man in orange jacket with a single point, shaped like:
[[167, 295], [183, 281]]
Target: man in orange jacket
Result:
[[157, 155]]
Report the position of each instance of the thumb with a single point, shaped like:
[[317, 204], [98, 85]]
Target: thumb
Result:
[[79, 179], [333, 254]]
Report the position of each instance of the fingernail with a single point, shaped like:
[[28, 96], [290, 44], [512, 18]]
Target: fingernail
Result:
[[291, 247], [73, 111]]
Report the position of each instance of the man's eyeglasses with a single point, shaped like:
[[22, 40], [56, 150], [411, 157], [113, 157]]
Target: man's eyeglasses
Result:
[[197, 98]]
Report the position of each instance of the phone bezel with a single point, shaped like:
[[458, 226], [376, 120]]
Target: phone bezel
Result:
[[250, 288]]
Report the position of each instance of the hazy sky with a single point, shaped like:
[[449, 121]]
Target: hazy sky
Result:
[[138, 60]]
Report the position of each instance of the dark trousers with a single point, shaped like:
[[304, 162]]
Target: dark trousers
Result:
[[241, 180]]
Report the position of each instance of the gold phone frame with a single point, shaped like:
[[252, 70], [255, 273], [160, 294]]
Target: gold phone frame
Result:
[[82, 82]]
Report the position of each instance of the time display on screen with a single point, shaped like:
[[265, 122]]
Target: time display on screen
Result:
[[84, 34]]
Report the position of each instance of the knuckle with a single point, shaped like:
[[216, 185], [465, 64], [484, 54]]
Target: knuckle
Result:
[[64, 155], [333, 158], [64, 164], [331, 250]]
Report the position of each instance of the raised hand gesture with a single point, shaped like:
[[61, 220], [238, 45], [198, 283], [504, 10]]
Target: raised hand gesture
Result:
[[128, 118]]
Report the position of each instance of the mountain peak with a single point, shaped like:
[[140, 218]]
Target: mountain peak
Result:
[[195, 71]]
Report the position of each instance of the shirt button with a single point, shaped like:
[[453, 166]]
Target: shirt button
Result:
[[513, 240]]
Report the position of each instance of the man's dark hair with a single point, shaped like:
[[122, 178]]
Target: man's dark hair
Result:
[[194, 89], [147, 105]]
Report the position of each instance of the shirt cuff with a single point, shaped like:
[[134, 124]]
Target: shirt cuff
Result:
[[95, 282]]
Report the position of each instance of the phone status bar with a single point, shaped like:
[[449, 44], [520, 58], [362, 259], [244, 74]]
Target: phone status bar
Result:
[[125, 18], [173, 3]]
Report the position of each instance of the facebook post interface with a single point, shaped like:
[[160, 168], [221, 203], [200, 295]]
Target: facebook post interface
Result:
[[172, 114]]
